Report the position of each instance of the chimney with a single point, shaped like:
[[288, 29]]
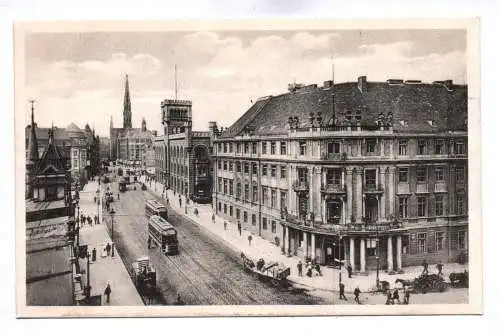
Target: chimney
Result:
[[362, 83], [328, 83], [212, 126]]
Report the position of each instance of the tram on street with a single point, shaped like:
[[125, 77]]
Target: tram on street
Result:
[[164, 235], [154, 207]]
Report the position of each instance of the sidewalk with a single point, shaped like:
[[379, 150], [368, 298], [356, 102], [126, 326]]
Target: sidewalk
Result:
[[105, 269], [261, 248]]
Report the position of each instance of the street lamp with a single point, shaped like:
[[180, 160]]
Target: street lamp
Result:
[[88, 275], [378, 259], [112, 213], [78, 224]]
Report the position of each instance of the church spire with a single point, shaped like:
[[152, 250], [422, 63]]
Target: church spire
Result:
[[32, 140], [127, 107], [143, 125]]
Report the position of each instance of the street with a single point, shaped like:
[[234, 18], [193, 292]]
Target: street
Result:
[[206, 272]]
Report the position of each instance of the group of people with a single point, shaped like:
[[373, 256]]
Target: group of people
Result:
[[356, 293], [425, 266], [393, 297], [309, 267], [88, 219]]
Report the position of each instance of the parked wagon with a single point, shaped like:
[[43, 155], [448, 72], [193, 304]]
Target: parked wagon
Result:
[[272, 272], [425, 283]]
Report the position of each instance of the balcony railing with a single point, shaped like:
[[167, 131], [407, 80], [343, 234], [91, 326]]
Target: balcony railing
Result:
[[334, 156], [300, 185], [333, 189], [373, 188]]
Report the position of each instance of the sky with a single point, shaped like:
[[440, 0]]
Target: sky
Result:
[[80, 77]]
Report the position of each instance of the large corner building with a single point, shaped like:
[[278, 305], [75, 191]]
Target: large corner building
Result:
[[352, 171]]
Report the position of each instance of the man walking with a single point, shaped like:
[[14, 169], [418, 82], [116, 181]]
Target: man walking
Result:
[[108, 249], [94, 254], [299, 268], [357, 292], [349, 269], [439, 267], [426, 267], [180, 201], [342, 292], [107, 292], [213, 218], [239, 227]]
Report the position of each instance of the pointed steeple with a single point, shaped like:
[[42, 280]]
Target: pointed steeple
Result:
[[127, 106], [143, 125], [32, 141]]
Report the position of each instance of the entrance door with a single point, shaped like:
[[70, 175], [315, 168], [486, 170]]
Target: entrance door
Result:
[[334, 251], [333, 211], [303, 203], [371, 209]]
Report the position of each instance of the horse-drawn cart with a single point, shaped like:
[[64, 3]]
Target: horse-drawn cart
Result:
[[271, 272]]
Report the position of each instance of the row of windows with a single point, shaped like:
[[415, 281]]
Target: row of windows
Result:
[[224, 208], [424, 147], [439, 238], [179, 169], [266, 169], [422, 174], [423, 206]]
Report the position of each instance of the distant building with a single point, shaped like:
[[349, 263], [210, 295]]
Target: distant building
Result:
[[355, 171], [104, 146], [187, 152], [128, 145]]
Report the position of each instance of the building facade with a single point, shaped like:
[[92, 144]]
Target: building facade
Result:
[[370, 173], [160, 159], [128, 145], [187, 152]]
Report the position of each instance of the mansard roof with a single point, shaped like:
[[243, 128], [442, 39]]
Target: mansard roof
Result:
[[414, 107]]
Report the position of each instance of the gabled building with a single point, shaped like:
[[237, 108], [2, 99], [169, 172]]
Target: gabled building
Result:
[[353, 171]]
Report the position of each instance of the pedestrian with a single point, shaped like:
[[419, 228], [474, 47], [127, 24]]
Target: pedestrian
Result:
[[426, 267], [118, 195], [318, 269], [389, 301], [168, 201], [180, 201], [213, 218], [349, 269], [89, 219], [107, 292], [357, 292], [225, 225], [439, 267], [239, 227], [395, 296], [407, 297], [299, 268], [149, 242], [250, 240], [94, 255], [108, 249], [96, 219], [342, 292], [179, 300], [95, 199]]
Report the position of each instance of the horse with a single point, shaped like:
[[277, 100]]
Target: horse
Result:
[[459, 279]]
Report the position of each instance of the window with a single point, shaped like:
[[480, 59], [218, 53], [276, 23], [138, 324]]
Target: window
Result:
[[302, 148], [237, 213], [273, 226], [225, 208], [230, 165], [238, 167], [439, 241], [371, 146], [283, 172], [283, 199], [225, 165], [254, 220], [460, 174], [264, 170], [265, 196], [403, 147], [264, 223], [254, 169], [421, 242], [439, 205], [246, 148], [247, 192], [333, 148], [225, 147], [231, 210], [238, 148], [219, 181], [274, 200], [422, 147], [247, 167], [460, 205], [438, 146], [255, 194], [438, 173], [231, 187], [371, 246], [238, 190], [333, 176], [403, 174], [273, 147], [459, 147], [219, 164], [405, 241], [461, 240], [283, 148], [219, 146], [302, 173], [370, 178], [264, 147], [403, 207], [230, 147], [220, 206], [245, 216], [273, 170], [225, 186], [421, 206], [421, 174], [254, 148]]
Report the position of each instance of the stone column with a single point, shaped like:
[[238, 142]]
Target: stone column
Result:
[[313, 246], [352, 252], [286, 241], [399, 264], [382, 197], [359, 195], [317, 192], [349, 189], [362, 259], [305, 244], [389, 254], [390, 191], [311, 189]]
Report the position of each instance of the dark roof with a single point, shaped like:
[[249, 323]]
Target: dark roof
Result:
[[43, 133], [413, 107], [54, 159]]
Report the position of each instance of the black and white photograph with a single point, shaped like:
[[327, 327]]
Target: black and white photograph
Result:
[[247, 168]]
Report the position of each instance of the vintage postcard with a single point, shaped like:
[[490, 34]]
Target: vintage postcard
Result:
[[240, 168]]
